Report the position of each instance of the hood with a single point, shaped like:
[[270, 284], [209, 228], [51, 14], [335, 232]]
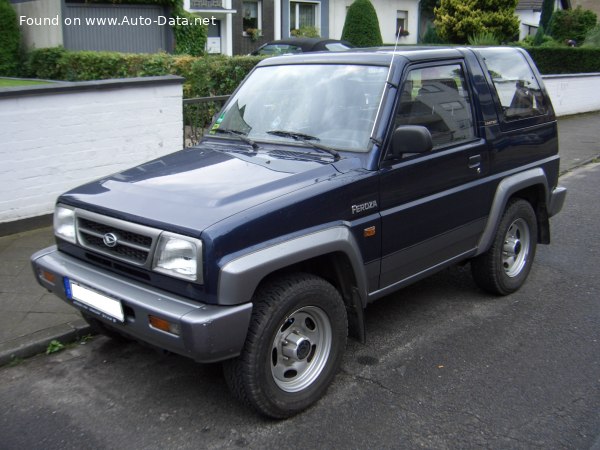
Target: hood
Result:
[[190, 190]]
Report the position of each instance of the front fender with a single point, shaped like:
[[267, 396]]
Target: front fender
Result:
[[239, 278]]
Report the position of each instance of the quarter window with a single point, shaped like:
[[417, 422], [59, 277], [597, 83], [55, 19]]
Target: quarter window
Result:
[[518, 90], [437, 98]]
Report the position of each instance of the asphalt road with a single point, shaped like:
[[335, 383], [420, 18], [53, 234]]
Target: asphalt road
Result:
[[445, 366]]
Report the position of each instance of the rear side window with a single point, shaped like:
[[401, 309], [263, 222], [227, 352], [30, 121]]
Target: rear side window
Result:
[[518, 90], [438, 99]]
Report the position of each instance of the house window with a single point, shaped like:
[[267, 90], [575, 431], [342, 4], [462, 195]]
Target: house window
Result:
[[401, 23], [251, 19], [303, 14]]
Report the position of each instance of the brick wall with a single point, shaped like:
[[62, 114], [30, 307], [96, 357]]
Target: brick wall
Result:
[[55, 137]]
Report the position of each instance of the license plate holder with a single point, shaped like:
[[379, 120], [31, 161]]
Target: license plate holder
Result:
[[95, 302]]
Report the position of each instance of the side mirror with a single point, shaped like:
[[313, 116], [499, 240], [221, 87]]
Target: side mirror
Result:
[[410, 139]]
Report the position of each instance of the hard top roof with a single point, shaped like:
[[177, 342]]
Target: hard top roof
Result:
[[379, 56]]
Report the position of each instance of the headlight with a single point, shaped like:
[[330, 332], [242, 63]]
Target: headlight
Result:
[[179, 256], [64, 223]]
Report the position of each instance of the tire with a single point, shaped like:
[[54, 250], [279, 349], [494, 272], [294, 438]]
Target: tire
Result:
[[504, 268], [99, 328], [294, 346]]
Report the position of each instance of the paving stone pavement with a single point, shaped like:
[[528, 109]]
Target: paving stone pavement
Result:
[[30, 317]]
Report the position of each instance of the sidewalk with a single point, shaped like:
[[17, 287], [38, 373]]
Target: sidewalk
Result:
[[30, 317]]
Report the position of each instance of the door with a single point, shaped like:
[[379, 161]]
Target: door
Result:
[[434, 204]]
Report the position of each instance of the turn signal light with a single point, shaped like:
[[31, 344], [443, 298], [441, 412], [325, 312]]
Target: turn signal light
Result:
[[370, 232], [164, 325], [47, 276]]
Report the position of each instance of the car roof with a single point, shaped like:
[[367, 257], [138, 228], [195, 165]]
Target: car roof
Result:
[[376, 56], [379, 55]]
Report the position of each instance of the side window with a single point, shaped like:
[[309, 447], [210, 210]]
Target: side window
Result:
[[438, 99], [518, 90]]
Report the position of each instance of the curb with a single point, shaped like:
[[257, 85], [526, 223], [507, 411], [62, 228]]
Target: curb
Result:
[[585, 162], [35, 343]]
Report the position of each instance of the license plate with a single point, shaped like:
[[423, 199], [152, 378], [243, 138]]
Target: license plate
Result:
[[95, 302]]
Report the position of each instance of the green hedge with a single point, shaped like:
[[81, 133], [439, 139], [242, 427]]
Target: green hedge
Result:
[[205, 76], [10, 40], [220, 75], [565, 60]]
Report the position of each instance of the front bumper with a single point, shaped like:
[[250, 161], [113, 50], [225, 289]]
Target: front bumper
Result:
[[208, 333]]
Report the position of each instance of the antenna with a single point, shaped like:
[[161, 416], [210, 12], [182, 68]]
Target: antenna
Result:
[[388, 82]]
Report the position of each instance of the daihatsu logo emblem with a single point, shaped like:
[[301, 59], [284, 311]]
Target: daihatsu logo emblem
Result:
[[110, 239]]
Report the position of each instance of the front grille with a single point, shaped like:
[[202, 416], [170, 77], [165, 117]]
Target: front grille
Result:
[[119, 239]]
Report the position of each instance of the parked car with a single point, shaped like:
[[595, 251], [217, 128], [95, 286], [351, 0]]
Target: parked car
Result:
[[302, 45], [327, 181]]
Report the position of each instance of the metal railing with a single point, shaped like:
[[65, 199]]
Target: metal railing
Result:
[[197, 116]]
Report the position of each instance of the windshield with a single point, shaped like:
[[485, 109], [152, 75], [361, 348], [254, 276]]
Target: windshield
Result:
[[334, 105]]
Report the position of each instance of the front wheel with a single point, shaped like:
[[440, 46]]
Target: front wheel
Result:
[[294, 346], [505, 266]]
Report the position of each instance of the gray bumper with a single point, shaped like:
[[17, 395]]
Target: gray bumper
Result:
[[208, 333], [557, 200]]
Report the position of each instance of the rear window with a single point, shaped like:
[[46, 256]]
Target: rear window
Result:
[[518, 90]]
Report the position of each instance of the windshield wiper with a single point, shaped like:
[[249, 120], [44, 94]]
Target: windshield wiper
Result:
[[240, 135], [306, 139]]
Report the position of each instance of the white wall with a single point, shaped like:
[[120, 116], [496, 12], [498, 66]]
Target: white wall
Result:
[[55, 138], [386, 14], [573, 94]]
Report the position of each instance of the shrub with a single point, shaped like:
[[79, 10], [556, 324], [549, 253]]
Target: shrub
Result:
[[565, 59], [312, 32], [10, 40], [189, 39], [484, 38], [592, 39], [456, 20], [361, 27], [431, 36], [572, 24], [219, 75], [205, 76], [540, 36]]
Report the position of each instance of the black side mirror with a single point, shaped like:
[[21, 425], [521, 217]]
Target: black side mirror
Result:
[[410, 139]]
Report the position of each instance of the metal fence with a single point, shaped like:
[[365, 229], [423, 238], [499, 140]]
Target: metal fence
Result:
[[197, 116]]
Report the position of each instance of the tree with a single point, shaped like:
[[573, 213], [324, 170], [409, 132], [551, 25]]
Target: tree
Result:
[[457, 20], [10, 40], [361, 27], [547, 11], [572, 24]]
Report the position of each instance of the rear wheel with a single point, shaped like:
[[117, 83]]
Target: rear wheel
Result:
[[294, 346], [504, 268]]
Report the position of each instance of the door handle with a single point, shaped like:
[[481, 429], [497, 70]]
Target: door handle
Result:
[[474, 161]]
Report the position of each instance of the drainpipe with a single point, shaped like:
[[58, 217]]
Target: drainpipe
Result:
[[418, 21], [277, 21]]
